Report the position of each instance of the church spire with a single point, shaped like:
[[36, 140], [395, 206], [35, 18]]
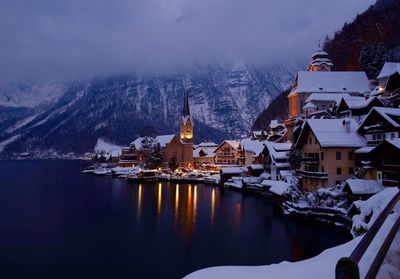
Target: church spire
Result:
[[186, 110], [320, 60], [186, 125]]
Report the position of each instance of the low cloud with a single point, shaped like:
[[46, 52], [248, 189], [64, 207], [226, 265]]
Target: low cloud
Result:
[[70, 39]]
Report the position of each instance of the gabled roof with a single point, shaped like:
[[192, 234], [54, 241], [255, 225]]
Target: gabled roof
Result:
[[163, 140], [332, 133], [208, 151], [254, 146], [138, 143], [278, 150], [394, 142], [207, 144], [331, 82], [386, 113], [360, 102], [391, 142], [389, 69], [364, 186], [309, 105], [233, 143]]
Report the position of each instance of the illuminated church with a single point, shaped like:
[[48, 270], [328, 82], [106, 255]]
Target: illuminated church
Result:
[[186, 125]]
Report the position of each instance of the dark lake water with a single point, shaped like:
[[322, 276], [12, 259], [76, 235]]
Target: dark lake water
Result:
[[58, 223]]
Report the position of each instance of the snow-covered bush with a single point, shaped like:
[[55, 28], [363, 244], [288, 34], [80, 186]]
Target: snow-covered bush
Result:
[[369, 210]]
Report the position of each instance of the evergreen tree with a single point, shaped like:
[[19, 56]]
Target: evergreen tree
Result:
[[156, 157], [173, 163], [372, 59], [295, 158]]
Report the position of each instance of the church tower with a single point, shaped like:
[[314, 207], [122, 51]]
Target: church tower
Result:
[[186, 125], [320, 61]]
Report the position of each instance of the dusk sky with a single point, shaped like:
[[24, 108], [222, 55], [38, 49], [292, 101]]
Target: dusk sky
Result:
[[62, 40]]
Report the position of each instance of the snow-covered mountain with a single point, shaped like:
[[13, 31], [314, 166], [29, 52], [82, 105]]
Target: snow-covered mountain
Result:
[[71, 117]]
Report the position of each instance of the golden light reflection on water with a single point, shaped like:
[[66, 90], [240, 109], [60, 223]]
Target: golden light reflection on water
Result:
[[194, 204], [176, 212], [139, 200], [212, 206], [238, 214], [159, 199], [185, 204]]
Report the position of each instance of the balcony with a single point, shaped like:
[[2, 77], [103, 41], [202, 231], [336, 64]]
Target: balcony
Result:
[[310, 160], [313, 174]]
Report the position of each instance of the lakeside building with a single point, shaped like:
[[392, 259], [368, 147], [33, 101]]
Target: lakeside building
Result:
[[328, 146], [319, 88], [229, 153], [276, 160], [204, 154], [252, 151], [178, 148]]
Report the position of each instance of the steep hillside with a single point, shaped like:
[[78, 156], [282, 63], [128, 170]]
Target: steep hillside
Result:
[[365, 44], [278, 109], [224, 103], [372, 38]]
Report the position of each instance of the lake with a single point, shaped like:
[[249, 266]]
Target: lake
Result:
[[58, 223]]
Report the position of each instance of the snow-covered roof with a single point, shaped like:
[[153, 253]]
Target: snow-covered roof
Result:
[[233, 143], [364, 150], [395, 142], [138, 143], [309, 105], [186, 118], [286, 173], [278, 150], [233, 170], [274, 124], [358, 102], [333, 97], [207, 144], [319, 52], [115, 153], [257, 166], [364, 186], [332, 133], [254, 146], [333, 82], [208, 151], [386, 113], [164, 139], [389, 69], [277, 187]]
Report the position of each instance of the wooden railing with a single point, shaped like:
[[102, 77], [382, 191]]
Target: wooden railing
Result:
[[347, 267]]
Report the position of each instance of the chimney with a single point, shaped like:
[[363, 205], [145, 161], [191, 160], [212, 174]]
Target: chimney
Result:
[[346, 124]]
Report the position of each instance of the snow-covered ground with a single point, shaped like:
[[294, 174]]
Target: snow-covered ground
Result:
[[323, 265]]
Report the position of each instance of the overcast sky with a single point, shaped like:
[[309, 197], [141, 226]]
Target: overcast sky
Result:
[[69, 39]]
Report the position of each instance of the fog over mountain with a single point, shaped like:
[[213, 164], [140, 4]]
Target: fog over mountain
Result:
[[73, 72], [69, 40]]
